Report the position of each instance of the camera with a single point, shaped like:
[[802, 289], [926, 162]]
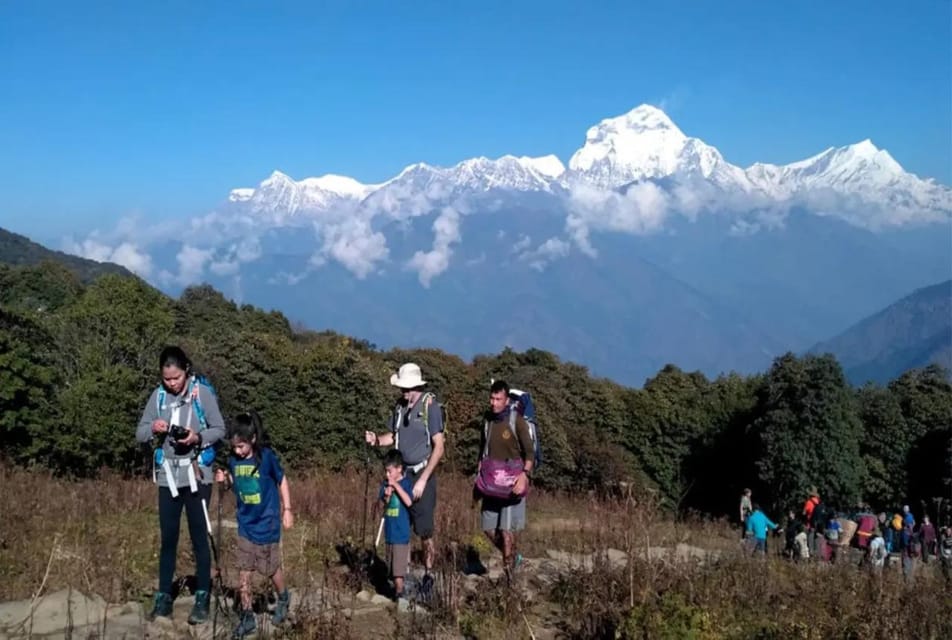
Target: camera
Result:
[[178, 432]]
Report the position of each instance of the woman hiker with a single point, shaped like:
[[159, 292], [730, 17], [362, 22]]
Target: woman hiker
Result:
[[183, 421]]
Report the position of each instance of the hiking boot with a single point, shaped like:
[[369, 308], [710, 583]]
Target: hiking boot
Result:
[[281, 609], [199, 612], [161, 606], [425, 590], [246, 625]]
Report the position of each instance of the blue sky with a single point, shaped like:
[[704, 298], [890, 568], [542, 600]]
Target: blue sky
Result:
[[109, 109]]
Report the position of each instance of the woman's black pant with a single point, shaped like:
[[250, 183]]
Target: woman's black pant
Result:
[[170, 518]]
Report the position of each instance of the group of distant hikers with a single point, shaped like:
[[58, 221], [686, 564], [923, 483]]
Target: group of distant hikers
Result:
[[183, 423], [823, 534]]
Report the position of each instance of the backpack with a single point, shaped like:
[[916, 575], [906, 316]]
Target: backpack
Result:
[[195, 382], [819, 518], [520, 404], [426, 399], [880, 552]]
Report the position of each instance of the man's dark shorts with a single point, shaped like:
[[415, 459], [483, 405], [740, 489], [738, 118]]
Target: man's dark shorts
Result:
[[423, 510]]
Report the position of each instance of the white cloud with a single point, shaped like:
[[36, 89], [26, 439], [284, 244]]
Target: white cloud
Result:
[[446, 231], [354, 244], [126, 254], [642, 209], [129, 256], [192, 261], [289, 279], [228, 261], [550, 250], [520, 245]]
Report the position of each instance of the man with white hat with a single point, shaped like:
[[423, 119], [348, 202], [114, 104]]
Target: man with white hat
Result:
[[416, 431]]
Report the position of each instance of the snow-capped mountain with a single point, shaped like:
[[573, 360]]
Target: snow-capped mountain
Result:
[[644, 144], [649, 248], [860, 172], [280, 197], [858, 183]]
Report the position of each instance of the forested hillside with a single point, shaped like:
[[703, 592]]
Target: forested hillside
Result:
[[78, 361]]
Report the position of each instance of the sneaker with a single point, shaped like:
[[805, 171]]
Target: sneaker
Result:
[[281, 609], [199, 612], [161, 606], [246, 624]]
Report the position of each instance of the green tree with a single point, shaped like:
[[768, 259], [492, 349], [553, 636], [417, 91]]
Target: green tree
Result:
[[27, 381], [809, 432]]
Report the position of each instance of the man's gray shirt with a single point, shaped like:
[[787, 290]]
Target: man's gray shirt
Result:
[[412, 438]]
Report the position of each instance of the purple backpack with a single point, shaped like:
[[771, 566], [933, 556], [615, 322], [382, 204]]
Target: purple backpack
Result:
[[496, 477]]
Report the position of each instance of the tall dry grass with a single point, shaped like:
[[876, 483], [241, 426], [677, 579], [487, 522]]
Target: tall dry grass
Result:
[[102, 537]]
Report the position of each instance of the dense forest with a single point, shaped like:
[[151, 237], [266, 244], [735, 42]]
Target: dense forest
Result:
[[79, 359]]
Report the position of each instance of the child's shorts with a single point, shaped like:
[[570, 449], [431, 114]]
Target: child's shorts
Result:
[[398, 559], [263, 558]]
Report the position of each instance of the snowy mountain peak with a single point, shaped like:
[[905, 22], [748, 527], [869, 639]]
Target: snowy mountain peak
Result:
[[643, 117], [549, 166], [277, 178], [339, 185], [645, 144], [859, 182]]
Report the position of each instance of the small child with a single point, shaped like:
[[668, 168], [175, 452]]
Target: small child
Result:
[[877, 550], [396, 494], [257, 478], [800, 543]]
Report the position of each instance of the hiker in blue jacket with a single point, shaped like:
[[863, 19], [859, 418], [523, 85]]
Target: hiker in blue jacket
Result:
[[757, 524]]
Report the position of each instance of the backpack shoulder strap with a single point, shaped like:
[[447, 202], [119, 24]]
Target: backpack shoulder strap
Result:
[[194, 389], [426, 400]]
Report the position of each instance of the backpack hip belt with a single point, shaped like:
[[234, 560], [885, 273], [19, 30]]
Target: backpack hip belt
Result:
[[189, 463], [417, 468]]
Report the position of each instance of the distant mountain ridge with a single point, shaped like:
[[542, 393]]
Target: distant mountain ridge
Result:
[[20, 250], [648, 248], [913, 332]]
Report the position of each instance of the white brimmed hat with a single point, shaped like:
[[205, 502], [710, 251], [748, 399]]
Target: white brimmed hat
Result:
[[408, 377]]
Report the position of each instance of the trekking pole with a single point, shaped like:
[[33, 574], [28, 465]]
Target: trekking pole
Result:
[[215, 555], [363, 523], [379, 533], [218, 591]]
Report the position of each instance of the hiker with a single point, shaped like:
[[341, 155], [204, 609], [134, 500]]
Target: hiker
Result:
[[927, 538], [910, 550], [813, 499], [945, 554], [183, 421], [908, 519], [866, 524], [791, 528], [263, 499], [832, 536], [745, 510], [416, 431], [757, 525], [801, 545], [396, 495], [502, 477], [876, 550]]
